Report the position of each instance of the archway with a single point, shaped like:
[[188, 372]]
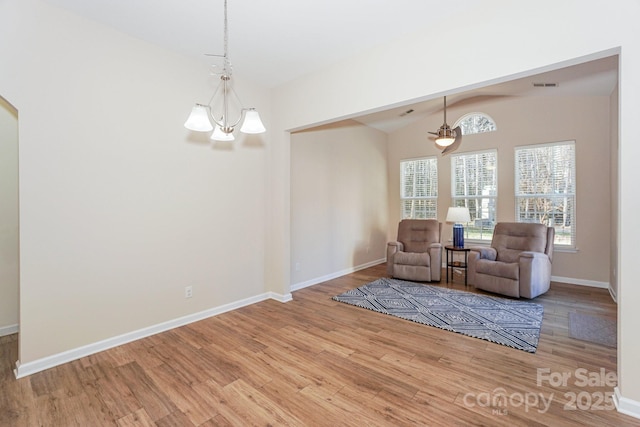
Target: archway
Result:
[[9, 220]]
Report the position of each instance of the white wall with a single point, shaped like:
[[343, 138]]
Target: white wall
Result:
[[516, 39], [338, 200], [119, 213], [121, 206], [9, 262], [526, 121]]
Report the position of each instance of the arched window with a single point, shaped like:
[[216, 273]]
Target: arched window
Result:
[[475, 123]]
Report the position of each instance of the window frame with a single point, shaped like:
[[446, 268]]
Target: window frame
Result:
[[404, 198], [517, 196], [474, 114], [492, 200]]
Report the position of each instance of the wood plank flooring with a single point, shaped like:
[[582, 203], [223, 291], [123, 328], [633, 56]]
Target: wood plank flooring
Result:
[[317, 362]]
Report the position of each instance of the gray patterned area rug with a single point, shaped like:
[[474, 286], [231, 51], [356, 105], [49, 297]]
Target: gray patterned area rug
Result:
[[512, 323]]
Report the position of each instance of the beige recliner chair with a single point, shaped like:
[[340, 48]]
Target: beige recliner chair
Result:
[[518, 263], [417, 254]]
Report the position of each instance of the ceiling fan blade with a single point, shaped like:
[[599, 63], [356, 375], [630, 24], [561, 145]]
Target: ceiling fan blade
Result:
[[456, 142], [433, 133]]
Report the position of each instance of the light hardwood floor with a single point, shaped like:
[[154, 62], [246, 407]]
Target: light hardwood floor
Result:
[[317, 362]]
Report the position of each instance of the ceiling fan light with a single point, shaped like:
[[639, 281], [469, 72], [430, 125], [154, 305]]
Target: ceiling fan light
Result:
[[445, 141], [446, 136], [199, 119]]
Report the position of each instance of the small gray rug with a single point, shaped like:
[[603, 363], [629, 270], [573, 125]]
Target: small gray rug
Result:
[[593, 328], [512, 323]]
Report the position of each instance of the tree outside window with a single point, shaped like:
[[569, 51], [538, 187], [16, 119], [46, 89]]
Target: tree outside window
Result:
[[545, 185], [474, 186]]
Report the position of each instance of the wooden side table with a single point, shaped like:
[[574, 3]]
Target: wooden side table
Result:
[[451, 264]]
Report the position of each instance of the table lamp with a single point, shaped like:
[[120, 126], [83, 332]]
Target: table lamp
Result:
[[458, 216]]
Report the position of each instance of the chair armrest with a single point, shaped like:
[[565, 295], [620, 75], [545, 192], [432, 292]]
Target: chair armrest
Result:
[[392, 249], [485, 252], [397, 246], [535, 273], [435, 253]]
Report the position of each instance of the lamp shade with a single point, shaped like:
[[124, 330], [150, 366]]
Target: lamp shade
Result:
[[199, 119], [218, 135], [252, 123], [458, 215]]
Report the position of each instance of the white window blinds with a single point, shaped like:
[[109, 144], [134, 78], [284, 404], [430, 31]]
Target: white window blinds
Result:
[[474, 185], [419, 188], [545, 186]]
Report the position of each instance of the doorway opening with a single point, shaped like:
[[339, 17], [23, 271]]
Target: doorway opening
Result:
[[9, 223]]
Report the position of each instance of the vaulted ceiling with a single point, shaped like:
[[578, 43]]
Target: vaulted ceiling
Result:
[[271, 41], [276, 41]]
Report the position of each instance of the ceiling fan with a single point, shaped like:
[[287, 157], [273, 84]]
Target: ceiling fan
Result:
[[447, 139]]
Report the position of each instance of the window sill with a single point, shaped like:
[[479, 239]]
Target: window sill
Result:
[[566, 250], [557, 249], [469, 242]]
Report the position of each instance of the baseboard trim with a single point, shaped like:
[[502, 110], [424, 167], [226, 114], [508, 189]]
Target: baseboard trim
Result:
[[23, 370], [279, 297], [624, 405], [581, 282], [315, 281], [9, 330], [613, 294], [560, 279]]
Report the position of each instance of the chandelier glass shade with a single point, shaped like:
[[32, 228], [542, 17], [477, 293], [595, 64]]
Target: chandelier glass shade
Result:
[[219, 135], [199, 119], [252, 123], [224, 111]]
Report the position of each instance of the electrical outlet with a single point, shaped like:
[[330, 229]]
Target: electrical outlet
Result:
[[298, 267], [188, 291]]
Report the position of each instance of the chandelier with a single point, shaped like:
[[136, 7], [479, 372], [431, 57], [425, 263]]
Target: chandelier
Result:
[[219, 109]]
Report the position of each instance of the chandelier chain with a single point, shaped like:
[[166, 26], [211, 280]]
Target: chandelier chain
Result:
[[227, 64]]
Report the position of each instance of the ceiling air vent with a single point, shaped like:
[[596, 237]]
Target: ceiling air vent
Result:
[[545, 85]]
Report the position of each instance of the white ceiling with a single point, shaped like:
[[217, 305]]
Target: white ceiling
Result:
[[275, 41], [270, 41]]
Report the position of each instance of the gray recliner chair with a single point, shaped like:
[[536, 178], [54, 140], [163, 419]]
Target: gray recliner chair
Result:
[[518, 263], [417, 253]]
